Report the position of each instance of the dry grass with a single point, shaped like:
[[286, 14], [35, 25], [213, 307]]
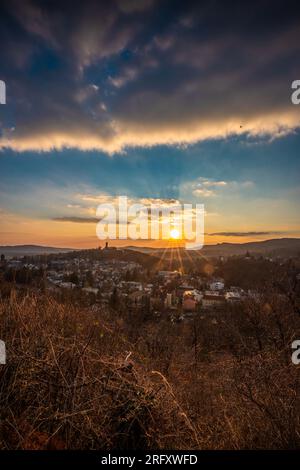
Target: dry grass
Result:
[[71, 382], [76, 379]]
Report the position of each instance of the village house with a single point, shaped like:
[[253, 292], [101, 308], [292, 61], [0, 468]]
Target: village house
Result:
[[217, 285], [212, 300], [189, 304]]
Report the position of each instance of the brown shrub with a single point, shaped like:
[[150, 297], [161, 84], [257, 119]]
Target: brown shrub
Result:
[[71, 381]]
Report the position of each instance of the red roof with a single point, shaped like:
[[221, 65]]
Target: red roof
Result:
[[214, 297]]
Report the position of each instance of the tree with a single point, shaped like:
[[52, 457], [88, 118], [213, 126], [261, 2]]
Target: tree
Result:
[[74, 278], [114, 299]]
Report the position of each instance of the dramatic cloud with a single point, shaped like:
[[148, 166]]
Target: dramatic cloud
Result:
[[206, 188], [109, 75], [77, 220]]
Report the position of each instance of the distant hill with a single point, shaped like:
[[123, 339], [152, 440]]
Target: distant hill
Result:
[[275, 247], [31, 250]]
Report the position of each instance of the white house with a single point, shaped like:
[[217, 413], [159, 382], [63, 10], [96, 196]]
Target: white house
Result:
[[217, 285], [233, 296], [91, 290], [194, 293]]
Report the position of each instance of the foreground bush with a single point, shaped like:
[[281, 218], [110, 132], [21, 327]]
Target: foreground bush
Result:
[[82, 379], [72, 382]]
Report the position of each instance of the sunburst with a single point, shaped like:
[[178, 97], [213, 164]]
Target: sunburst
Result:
[[174, 234]]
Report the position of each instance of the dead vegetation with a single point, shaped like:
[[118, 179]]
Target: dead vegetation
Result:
[[76, 380], [70, 382]]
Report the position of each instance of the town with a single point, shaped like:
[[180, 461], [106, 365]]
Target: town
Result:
[[122, 279]]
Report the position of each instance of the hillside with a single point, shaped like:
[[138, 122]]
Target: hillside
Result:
[[31, 250], [85, 378], [275, 247]]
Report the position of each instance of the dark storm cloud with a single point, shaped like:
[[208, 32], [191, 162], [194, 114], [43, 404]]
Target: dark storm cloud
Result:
[[112, 74]]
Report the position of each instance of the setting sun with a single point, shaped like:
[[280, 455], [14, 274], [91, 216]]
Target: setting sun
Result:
[[174, 234]]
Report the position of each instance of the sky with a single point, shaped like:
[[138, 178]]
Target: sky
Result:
[[156, 100]]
